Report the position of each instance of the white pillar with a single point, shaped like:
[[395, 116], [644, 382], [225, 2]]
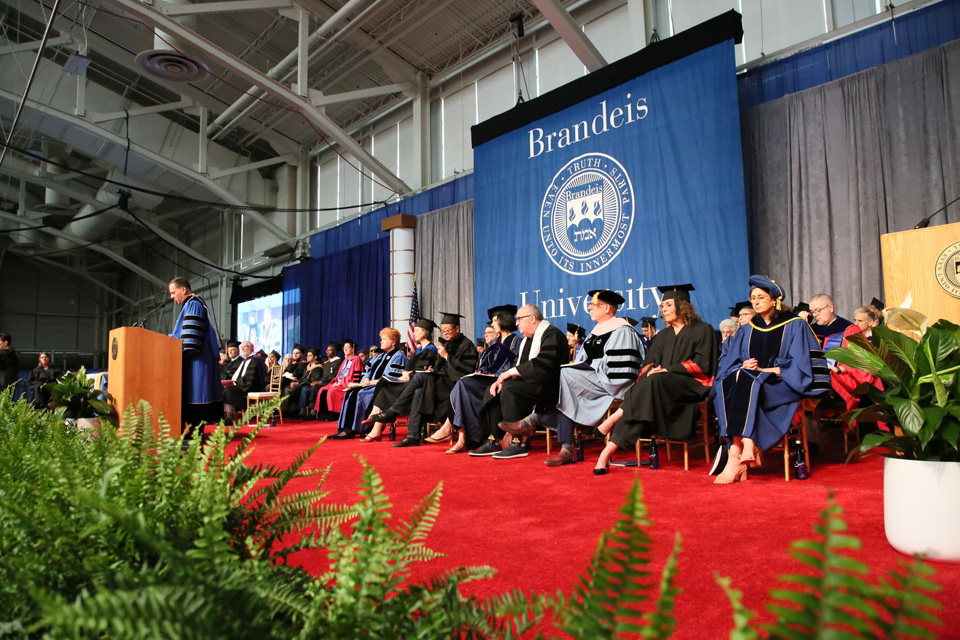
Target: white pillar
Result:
[[402, 265]]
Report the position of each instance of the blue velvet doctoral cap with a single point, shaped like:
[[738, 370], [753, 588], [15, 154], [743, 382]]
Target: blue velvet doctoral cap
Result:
[[766, 284]]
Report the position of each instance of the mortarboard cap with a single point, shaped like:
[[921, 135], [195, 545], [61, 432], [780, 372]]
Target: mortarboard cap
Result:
[[503, 308], [676, 291], [878, 303], [740, 306], [233, 343], [300, 347], [426, 324], [633, 321], [803, 306], [766, 284], [336, 345], [605, 295], [481, 342], [448, 317], [576, 329], [262, 354], [276, 356], [648, 321]]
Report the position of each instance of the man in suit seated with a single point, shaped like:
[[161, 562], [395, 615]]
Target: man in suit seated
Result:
[[250, 376], [533, 384], [606, 366]]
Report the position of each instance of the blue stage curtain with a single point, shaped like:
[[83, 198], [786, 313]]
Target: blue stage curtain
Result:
[[906, 35], [340, 296]]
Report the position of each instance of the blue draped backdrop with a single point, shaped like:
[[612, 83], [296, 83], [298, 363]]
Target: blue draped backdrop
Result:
[[336, 297]]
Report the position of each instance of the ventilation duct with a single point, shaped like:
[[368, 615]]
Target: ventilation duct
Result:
[[166, 60], [55, 203]]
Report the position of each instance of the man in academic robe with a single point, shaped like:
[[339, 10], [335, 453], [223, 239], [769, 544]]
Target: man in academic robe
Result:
[[201, 394], [677, 374], [233, 360], [532, 385], [250, 376], [607, 365], [427, 394], [826, 322]]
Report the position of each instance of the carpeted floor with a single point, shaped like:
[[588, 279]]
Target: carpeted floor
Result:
[[538, 526]]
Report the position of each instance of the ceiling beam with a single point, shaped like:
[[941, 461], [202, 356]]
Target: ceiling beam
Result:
[[121, 56], [77, 272], [220, 7], [206, 49], [572, 34], [243, 168], [321, 100], [143, 273], [33, 46], [210, 185], [140, 111]]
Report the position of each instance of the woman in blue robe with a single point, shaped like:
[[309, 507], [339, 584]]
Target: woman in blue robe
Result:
[[388, 364], [771, 363]]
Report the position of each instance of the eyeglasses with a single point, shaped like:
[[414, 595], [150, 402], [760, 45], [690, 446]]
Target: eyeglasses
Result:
[[820, 310], [519, 318]]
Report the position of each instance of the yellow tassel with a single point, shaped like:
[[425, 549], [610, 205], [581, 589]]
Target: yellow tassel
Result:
[[778, 304]]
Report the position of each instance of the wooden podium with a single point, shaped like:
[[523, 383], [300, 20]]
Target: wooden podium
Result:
[[923, 265], [145, 365]]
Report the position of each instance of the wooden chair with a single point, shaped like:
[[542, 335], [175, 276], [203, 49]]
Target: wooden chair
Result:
[[578, 435], [702, 423], [273, 389], [797, 430]]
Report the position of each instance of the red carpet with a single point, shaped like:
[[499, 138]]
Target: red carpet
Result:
[[538, 526]]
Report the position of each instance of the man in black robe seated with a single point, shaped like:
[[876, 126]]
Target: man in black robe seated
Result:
[[249, 377], [233, 360], [533, 384], [427, 395]]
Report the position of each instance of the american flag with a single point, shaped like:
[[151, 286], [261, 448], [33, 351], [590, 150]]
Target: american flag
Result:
[[414, 316]]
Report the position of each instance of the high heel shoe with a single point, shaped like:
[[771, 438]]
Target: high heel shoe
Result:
[[740, 476], [372, 438], [435, 440], [455, 449], [602, 471]]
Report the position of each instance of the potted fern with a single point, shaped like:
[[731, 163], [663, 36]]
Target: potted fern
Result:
[[81, 402], [920, 402]]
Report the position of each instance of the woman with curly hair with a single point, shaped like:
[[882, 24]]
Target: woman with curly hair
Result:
[[677, 373]]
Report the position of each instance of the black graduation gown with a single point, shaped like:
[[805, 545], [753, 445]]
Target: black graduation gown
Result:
[[297, 369], [8, 368], [665, 404], [388, 392], [461, 360], [38, 378]]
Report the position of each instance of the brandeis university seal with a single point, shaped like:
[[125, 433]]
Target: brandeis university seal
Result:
[[587, 214], [948, 269]]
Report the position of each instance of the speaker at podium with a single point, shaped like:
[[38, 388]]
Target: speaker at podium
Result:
[[921, 270], [146, 365]]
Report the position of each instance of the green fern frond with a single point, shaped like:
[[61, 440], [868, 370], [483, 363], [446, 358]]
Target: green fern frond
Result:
[[835, 600], [608, 598], [742, 630], [661, 623], [903, 597]]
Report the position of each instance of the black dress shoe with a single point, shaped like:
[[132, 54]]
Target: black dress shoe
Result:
[[407, 442], [342, 435]]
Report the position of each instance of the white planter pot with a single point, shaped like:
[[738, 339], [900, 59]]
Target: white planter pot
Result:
[[921, 507]]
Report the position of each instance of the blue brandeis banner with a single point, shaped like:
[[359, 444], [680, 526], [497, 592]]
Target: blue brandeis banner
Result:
[[638, 186]]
